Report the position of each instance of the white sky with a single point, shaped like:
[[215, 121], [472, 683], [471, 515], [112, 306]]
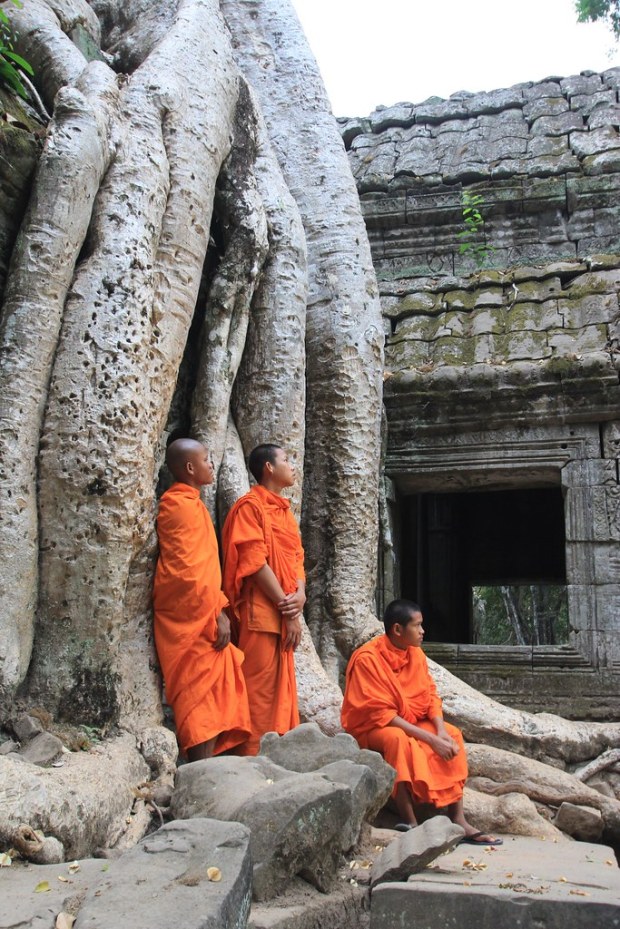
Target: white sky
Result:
[[374, 52]]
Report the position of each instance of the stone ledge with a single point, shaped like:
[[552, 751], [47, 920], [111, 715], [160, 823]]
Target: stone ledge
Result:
[[526, 882]]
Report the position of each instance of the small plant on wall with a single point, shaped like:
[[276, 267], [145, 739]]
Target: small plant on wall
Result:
[[472, 233], [10, 62]]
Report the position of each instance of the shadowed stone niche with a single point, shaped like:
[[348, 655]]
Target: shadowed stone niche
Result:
[[502, 389]]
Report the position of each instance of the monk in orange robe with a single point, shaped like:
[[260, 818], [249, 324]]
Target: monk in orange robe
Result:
[[201, 669], [265, 582], [391, 706]]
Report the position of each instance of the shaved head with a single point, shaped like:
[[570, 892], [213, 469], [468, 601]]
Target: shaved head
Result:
[[179, 453]]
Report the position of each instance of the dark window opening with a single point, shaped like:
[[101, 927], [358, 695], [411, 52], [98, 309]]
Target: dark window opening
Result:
[[453, 545]]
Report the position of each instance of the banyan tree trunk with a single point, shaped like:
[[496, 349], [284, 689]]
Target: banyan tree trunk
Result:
[[160, 276], [344, 333]]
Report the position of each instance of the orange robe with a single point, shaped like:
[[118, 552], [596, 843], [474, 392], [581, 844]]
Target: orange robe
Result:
[[383, 682], [260, 529], [204, 686]]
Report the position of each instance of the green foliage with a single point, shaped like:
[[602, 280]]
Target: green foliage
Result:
[[524, 614], [472, 235], [590, 11], [10, 62]]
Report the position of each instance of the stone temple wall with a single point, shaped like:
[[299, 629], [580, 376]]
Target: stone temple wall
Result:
[[507, 377]]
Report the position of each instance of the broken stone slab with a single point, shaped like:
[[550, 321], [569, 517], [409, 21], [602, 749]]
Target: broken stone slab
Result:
[[167, 880], [412, 851], [306, 748], [582, 822], [42, 750], [21, 906], [26, 727], [345, 907], [527, 883], [362, 784], [296, 820], [296, 828]]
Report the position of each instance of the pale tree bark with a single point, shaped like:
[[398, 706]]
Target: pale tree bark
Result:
[[124, 329], [343, 333], [76, 156], [105, 297], [512, 612]]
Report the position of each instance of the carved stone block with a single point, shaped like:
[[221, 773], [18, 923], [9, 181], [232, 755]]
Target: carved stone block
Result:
[[611, 439]]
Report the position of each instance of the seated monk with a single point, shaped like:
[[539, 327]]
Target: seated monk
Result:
[[265, 582], [201, 669], [391, 706]]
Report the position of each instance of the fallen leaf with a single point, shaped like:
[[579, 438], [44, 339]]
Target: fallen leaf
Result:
[[64, 921], [106, 866], [579, 893], [610, 862], [42, 887], [74, 867], [58, 764], [5, 860], [509, 873], [268, 780], [214, 874], [353, 881], [474, 865], [64, 879], [562, 880]]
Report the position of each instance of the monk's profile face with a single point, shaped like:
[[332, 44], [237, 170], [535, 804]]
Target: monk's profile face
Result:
[[198, 466], [410, 635], [280, 473]]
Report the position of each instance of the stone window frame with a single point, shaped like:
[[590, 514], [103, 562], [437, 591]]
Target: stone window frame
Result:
[[569, 456]]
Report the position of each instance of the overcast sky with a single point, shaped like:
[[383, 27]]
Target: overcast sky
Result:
[[374, 52]]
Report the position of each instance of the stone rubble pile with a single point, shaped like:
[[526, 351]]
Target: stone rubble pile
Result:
[[279, 841]]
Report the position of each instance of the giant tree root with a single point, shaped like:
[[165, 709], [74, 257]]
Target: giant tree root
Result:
[[536, 735], [87, 804], [497, 772]]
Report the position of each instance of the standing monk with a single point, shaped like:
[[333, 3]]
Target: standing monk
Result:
[[202, 671], [265, 582], [391, 706]]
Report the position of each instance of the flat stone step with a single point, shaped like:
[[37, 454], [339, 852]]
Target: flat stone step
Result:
[[526, 883]]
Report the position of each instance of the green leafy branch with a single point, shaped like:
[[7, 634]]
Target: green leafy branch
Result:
[[590, 11], [10, 61], [473, 223]]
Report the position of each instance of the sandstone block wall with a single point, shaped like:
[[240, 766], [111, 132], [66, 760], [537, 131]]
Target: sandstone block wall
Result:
[[507, 376]]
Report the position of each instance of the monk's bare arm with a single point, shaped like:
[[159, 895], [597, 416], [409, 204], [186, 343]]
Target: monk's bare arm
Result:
[[270, 586], [442, 745]]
